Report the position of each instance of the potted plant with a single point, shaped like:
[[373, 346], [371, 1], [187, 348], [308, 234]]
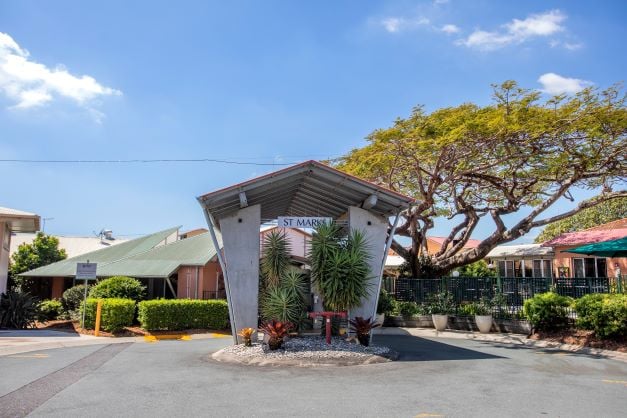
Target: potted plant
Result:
[[385, 306], [362, 328], [483, 316], [441, 305], [276, 331]]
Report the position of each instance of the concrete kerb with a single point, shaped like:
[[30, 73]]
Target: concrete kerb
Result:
[[225, 357], [22, 342], [503, 338]]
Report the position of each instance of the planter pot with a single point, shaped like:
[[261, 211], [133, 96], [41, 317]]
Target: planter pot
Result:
[[380, 319], [484, 323], [440, 322]]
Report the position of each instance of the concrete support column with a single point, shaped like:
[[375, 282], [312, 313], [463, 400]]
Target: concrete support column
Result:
[[375, 229], [240, 237]]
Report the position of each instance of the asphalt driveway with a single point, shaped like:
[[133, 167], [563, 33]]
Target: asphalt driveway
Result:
[[433, 377]]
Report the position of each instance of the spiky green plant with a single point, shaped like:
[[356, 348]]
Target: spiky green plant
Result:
[[276, 257], [340, 267], [281, 304], [295, 283], [18, 310]]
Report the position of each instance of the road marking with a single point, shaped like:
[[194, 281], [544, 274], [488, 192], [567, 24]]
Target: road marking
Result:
[[216, 335], [427, 414], [156, 338], [29, 356], [616, 382]]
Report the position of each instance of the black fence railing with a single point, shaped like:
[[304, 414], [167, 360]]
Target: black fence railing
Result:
[[507, 294], [213, 294]]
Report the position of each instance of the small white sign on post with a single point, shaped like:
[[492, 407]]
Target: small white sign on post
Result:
[[302, 221], [86, 271]]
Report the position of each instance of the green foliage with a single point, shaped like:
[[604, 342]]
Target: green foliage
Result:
[[386, 303], [441, 304], [179, 314], [276, 332], [547, 311], [471, 162], [118, 287], [281, 304], [116, 313], [600, 214], [73, 297], [276, 257], [42, 251], [18, 310], [477, 269], [339, 266], [482, 307], [409, 309], [50, 310], [605, 314], [362, 328]]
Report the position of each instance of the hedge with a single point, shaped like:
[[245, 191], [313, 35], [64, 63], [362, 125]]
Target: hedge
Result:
[[118, 287], [177, 314], [604, 314], [116, 313], [547, 311]]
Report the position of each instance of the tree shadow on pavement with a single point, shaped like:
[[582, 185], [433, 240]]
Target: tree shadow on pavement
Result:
[[412, 348]]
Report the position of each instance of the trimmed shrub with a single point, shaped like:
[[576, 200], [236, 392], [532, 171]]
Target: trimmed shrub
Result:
[[118, 287], [50, 310], [409, 309], [116, 314], [547, 311], [73, 297], [386, 304], [605, 314], [177, 314]]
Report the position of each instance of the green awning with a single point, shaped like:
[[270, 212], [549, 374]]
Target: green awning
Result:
[[614, 248]]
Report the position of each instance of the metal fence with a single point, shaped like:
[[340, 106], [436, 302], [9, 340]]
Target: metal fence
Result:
[[511, 291]]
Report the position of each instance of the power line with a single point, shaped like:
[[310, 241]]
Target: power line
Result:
[[143, 161]]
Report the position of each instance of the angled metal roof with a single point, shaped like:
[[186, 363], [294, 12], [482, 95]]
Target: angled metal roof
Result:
[[164, 260], [306, 189], [67, 267], [522, 250], [20, 221]]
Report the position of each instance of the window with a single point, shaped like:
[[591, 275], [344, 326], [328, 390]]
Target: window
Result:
[[518, 269], [601, 267], [537, 268], [578, 267], [527, 268], [548, 268], [6, 237], [506, 268]]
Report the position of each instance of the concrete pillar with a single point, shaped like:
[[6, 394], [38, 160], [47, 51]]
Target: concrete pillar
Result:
[[240, 237], [375, 229]]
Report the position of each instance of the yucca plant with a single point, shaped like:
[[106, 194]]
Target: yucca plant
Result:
[[276, 257], [247, 335], [280, 303], [340, 267], [362, 328], [276, 332]]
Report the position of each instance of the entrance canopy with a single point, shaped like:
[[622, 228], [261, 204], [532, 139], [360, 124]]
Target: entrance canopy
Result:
[[306, 189], [19, 221]]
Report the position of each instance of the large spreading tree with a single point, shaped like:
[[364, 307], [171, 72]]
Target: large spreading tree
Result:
[[522, 153]]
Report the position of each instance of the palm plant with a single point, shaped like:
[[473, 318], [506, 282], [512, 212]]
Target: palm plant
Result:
[[276, 257], [281, 304]]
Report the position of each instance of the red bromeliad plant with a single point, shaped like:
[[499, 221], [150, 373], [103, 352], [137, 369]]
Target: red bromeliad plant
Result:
[[276, 331], [362, 328]]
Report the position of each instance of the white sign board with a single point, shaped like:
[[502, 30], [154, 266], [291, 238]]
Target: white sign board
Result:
[[86, 271], [302, 221]]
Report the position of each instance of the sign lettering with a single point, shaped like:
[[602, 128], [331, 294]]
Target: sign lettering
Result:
[[302, 221]]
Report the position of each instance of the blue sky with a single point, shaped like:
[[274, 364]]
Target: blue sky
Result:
[[264, 82]]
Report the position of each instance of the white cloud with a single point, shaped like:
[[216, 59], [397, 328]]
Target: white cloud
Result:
[[449, 28], [517, 31], [31, 84], [398, 24], [572, 46], [440, 1], [556, 84]]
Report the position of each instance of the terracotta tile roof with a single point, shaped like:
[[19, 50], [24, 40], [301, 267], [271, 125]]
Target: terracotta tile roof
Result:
[[471, 243], [620, 223], [586, 237]]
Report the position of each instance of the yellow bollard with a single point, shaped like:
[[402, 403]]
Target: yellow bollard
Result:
[[98, 312]]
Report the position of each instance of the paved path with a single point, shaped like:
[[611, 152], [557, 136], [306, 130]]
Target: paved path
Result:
[[434, 377]]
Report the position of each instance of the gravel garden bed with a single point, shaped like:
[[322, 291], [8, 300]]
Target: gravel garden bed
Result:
[[307, 352]]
